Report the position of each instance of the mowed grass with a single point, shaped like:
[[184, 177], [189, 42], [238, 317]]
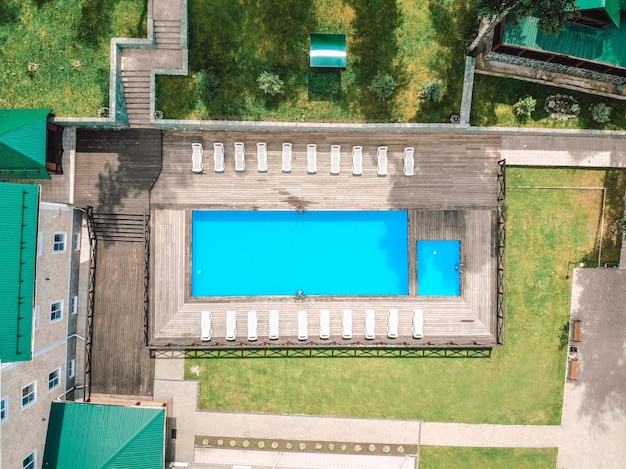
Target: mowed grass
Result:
[[522, 383], [439, 457], [69, 41], [412, 41]]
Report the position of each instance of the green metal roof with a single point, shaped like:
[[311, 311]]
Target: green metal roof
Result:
[[612, 8], [23, 143], [19, 209], [600, 45], [93, 436], [328, 50]]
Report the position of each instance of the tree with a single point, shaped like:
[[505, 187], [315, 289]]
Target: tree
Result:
[[552, 14], [432, 91], [382, 86], [270, 83]]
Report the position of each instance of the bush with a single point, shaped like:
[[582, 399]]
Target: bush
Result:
[[561, 107], [270, 83], [207, 85], [600, 113], [525, 107], [382, 86], [432, 91]]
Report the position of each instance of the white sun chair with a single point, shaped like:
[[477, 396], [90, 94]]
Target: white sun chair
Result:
[[381, 154], [253, 325], [418, 324], [231, 325], [240, 159], [346, 324], [324, 324], [335, 151], [286, 157], [357, 160], [303, 330], [408, 161], [261, 156], [206, 326], [392, 324], [274, 322], [370, 324], [218, 157], [196, 157], [311, 158]]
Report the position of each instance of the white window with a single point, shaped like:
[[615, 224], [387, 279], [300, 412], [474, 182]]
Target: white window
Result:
[[4, 409], [30, 461], [74, 304], [37, 316], [54, 379], [29, 394], [56, 311], [59, 242], [71, 368], [76, 242], [39, 243]]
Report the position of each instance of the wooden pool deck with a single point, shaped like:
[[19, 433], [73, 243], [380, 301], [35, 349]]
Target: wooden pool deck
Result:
[[453, 195]]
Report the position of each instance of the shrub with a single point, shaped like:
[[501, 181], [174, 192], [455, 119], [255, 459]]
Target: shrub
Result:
[[561, 107], [601, 112], [382, 86], [261, 444], [246, 443], [207, 85], [432, 91], [525, 107], [270, 83]]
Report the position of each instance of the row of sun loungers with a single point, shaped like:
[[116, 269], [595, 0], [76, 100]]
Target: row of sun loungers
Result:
[[302, 322], [287, 156]]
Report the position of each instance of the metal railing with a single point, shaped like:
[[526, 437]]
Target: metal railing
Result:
[[501, 254], [91, 293]]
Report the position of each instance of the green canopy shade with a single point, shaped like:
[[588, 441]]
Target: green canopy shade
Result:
[[328, 51], [19, 211], [93, 436], [23, 143]]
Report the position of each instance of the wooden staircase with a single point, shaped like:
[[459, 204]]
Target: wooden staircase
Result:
[[121, 227], [137, 94]]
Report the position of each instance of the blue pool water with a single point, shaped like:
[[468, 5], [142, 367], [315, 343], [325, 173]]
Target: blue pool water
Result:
[[261, 253], [439, 268]]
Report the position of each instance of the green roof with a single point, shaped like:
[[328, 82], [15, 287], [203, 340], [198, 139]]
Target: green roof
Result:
[[599, 45], [23, 143], [19, 208], [93, 436], [328, 50], [611, 7]]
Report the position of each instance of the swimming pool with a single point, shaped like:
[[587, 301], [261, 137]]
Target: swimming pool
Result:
[[263, 253], [438, 268]]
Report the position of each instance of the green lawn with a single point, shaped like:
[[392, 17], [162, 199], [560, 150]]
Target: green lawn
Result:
[[69, 41], [439, 457], [413, 41], [546, 229]]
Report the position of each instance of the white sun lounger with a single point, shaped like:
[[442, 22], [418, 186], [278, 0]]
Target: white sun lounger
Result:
[[231, 325], [381, 154], [392, 324], [324, 324], [196, 157], [418, 324], [370, 324], [357, 160], [346, 324], [335, 151], [303, 330], [261, 156], [408, 161], [286, 157], [218, 157], [311, 158], [240, 158], [206, 326], [274, 322], [253, 325]]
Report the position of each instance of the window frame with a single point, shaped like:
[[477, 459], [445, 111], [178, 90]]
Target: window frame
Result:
[[60, 311], [4, 409], [74, 304], [37, 317], [62, 244], [32, 464], [57, 377], [33, 393], [71, 368], [76, 241]]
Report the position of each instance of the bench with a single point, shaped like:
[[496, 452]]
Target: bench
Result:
[[572, 372], [576, 334]]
